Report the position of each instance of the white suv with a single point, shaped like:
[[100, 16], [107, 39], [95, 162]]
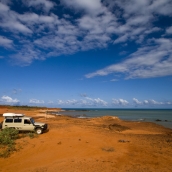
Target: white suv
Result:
[[23, 123]]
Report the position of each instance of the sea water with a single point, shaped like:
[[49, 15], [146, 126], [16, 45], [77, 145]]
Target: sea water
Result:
[[159, 116]]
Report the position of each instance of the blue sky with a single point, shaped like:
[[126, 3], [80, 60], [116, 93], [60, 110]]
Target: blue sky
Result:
[[89, 53]]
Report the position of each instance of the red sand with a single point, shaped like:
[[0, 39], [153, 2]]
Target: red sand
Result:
[[91, 145]]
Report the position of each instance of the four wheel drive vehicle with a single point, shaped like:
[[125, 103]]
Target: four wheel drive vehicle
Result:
[[23, 123]]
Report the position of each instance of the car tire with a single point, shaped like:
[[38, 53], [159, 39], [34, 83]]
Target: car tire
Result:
[[38, 131]]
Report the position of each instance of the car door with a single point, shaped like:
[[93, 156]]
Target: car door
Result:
[[27, 125], [17, 123]]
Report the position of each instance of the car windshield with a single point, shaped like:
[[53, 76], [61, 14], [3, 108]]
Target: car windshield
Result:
[[32, 120]]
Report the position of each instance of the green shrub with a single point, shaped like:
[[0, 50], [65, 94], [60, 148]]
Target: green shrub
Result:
[[7, 141]]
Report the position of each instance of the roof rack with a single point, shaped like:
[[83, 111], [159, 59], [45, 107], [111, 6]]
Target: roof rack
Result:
[[12, 114]]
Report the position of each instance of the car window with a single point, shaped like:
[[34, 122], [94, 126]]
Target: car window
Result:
[[27, 121], [9, 120], [17, 120]]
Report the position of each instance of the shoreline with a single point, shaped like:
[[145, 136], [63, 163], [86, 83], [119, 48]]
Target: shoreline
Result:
[[160, 119]]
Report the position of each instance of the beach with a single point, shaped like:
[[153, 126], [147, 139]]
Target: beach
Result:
[[159, 116], [97, 144]]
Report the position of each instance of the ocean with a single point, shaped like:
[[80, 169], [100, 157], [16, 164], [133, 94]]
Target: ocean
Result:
[[160, 116]]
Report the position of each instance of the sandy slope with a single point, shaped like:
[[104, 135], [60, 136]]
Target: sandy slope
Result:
[[91, 145]]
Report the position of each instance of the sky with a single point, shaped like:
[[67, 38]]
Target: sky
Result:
[[86, 53]]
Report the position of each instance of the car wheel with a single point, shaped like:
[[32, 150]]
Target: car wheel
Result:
[[38, 131]]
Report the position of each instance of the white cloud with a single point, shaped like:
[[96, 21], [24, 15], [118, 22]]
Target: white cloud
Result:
[[138, 16], [97, 25], [26, 55], [146, 102], [96, 102], [150, 102], [6, 2], [136, 101], [46, 5], [120, 102], [67, 102], [9, 20], [161, 7], [17, 26], [36, 101], [7, 99], [28, 17], [92, 7], [169, 30], [87, 101], [5, 42], [153, 102], [145, 7], [169, 103], [3, 7], [150, 61]]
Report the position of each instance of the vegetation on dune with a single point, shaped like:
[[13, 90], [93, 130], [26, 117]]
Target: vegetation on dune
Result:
[[7, 141], [25, 107]]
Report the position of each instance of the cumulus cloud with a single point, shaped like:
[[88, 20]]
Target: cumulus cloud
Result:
[[150, 102], [7, 99], [46, 5], [96, 102], [86, 25], [153, 59], [87, 101], [138, 17], [121, 102], [93, 7], [67, 102], [136, 101], [9, 20], [36, 101]]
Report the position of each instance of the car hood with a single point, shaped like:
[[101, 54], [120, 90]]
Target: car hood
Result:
[[39, 123]]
